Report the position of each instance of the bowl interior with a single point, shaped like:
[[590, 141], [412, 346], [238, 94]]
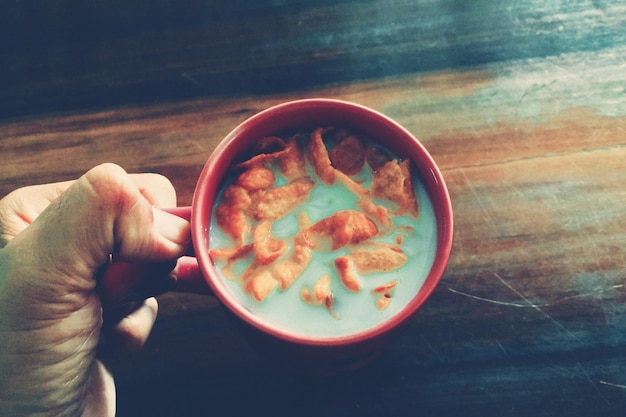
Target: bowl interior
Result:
[[299, 115]]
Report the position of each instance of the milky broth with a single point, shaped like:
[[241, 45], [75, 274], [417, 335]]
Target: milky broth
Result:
[[354, 312]]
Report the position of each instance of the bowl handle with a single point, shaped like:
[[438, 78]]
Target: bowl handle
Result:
[[123, 286]]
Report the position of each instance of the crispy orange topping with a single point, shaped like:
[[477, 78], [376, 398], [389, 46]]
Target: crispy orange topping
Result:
[[347, 274], [384, 294], [277, 202], [290, 269], [393, 182], [342, 228], [318, 156], [260, 284], [378, 258], [292, 163], [348, 156], [276, 181], [266, 248], [256, 178]]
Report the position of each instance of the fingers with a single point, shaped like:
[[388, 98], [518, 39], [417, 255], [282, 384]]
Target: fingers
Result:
[[139, 231], [21, 207], [131, 333], [155, 188]]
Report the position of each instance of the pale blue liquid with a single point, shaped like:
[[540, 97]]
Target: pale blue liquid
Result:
[[356, 312]]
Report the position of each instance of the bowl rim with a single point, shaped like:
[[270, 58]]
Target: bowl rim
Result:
[[272, 117]]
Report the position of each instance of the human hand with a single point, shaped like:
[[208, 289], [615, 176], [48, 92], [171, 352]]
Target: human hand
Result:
[[54, 239]]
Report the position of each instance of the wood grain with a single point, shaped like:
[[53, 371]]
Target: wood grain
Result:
[[72, 55], [521, 104]]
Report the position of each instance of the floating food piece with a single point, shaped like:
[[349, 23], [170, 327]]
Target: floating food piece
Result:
[[266, 248], [365, 203], [342, 228], [260, 284], [377, 212], [292, 163], [388, 182], [275, 203], [269, 145], [383, 302], [231, 254], [384, 294], [321, 294], [256, 178], [376, 157], [348, 156], [233, 221], [347, 274], [237, 196], [383, 289], [257, 198], [378, 258], [409, 189], [267, 150], [230, 214], [393, 182], [289, 270], [319, 159]]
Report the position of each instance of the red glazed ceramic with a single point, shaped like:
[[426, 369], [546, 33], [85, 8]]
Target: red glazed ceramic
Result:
[[312, 355]]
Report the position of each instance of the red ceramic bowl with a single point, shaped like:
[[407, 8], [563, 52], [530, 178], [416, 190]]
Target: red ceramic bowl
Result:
[[312, 355], [324, 355]]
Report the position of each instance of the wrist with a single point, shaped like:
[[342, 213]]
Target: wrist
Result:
[[44, 372]]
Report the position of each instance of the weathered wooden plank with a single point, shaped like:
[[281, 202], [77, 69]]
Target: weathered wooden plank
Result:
[[71, 55], [529, 316]]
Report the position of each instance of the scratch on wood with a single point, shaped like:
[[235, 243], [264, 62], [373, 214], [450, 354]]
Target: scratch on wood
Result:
[[538, 307], [560, 326], [479, 199], [533, 305], [502, 348], [611, 384], [487, 300]]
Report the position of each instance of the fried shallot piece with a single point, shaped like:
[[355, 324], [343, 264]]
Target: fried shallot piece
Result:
[[292, 163], [231, 213], [376, 157], [287, 271], [277, 202], [409, 189], [260, 283], [342, 228], [268, 149], [347, 274], [378, 258], [393, 182], [321, 294], [256, 178], [348, 156], [231, 254], [266, 248], [319, 159], [384, 294], [365, 203]]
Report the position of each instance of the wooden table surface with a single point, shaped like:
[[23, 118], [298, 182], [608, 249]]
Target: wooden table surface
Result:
[[522, 105]]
